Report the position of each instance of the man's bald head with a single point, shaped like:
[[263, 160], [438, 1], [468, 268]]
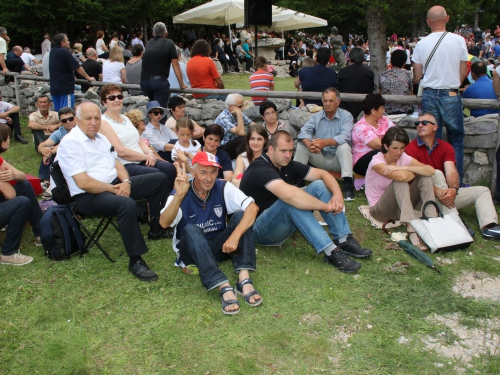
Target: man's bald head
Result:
[[18, 51], [91, 53], [436, 12], [437, 18]]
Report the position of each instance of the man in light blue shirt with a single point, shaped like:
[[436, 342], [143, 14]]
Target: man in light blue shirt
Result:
[[324, 141], [172, 79]]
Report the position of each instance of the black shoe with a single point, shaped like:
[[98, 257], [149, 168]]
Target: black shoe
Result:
[[492, 231], [353, 248], [164, 233], [20, 139], [141, 270], [342, 262], [348, 189], [469, 229]]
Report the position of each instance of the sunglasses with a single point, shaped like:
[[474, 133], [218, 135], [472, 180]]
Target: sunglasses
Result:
[[66, 120], [112, 98], [425, 122], [158, 112]]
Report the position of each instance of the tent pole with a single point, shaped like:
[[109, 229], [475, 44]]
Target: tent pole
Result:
[[255, 42]]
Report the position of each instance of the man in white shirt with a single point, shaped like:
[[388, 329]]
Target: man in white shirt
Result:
[[9, 114], [28, 58], [441, 79], [100, 185]]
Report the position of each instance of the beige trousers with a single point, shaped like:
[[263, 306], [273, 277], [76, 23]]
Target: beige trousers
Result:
[[479, 196], [341, 162], [400, 198]]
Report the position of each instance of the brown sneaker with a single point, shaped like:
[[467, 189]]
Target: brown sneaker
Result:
[[38, 241], [16, 259]]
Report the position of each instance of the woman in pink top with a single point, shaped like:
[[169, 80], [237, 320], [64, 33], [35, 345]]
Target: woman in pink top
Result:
[[396, 183], [368, 132]]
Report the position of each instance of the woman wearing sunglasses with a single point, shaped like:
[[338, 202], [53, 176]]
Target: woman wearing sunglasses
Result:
[[132, 152], [396, 183]]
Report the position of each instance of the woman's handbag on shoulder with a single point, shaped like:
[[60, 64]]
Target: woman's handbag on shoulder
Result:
[[442, 233]]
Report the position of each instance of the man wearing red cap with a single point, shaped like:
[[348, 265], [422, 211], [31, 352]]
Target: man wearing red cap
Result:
[[198, 209]]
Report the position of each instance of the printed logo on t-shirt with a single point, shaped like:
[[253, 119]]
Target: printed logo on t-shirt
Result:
[[218, 211]]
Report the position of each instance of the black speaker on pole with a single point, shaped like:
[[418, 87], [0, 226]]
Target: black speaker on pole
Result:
[[258, 12]]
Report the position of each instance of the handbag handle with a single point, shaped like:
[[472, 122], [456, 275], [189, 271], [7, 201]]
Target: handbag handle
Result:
[[432, 203]]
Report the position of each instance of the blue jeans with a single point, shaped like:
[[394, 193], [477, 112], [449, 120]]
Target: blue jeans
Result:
[[449, 113], [157, 89], [194, 248], [281, 220], [15, 212], [218, 97]]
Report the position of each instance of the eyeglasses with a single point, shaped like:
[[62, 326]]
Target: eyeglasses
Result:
[[112, 98], [157, 112], [270, 113], [240, 106], [425, 122], [66, 120]]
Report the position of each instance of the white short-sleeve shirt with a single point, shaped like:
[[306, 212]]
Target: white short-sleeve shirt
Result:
[[78, 153]]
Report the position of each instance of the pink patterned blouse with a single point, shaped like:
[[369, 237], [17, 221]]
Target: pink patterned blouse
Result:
[[363, 133]]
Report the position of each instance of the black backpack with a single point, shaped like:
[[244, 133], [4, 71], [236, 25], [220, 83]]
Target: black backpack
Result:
[[60, 235]]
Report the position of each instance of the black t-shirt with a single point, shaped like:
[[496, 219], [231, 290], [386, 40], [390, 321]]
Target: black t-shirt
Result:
[[220, 52], [157, 57], [62, 66], [261, 172], [93, 69]]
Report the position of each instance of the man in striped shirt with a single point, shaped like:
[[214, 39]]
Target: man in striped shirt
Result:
[[261, 79]]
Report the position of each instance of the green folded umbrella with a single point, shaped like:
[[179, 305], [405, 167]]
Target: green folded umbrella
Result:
[[412, 250]]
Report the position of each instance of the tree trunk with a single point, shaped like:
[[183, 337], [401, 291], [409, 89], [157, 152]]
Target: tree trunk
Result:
[[378, 45]]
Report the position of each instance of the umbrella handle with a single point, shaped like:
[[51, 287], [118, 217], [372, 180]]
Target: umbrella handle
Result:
[[392, 221], [435, 269]]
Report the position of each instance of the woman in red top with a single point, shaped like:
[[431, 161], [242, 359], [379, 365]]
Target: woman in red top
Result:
[[202, 72], [18, 205]]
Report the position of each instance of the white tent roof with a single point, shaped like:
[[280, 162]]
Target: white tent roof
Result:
[[217, 13], [226, 12], [289, 19]]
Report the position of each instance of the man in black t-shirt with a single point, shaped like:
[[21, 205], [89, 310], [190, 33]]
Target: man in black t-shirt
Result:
[[284, 208], [159, 54], [92, 67]]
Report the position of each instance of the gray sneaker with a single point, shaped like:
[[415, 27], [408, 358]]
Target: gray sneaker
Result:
[[16, 259], [342, 262]]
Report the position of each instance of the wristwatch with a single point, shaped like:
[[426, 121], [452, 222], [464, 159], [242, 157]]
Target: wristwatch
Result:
[[127, 180], [456, 188]]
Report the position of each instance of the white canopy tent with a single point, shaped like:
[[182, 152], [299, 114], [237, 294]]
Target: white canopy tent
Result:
[[289, 19]]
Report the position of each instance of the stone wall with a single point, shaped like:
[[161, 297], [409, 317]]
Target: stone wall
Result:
[[481, 140]]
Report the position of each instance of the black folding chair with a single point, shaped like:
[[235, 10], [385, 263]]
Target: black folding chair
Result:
[[61, 195]]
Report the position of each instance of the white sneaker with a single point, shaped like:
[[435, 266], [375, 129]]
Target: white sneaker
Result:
[[16, 259]]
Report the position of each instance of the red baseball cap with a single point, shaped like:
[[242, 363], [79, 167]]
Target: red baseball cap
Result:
[[206, 159]]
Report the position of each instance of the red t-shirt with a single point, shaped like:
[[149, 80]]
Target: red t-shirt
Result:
[[441, 153], [202, 74]]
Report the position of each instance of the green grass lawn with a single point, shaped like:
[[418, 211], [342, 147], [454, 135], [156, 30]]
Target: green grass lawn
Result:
[[89, 316]]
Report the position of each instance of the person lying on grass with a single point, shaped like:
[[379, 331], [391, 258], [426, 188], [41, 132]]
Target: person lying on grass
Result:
[[197, 209]]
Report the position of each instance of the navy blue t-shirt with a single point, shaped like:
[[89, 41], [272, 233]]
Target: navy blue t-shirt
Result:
[[317, 78], [224, 161], [62, 67]]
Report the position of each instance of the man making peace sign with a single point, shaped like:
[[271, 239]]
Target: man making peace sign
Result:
[[197, 209]]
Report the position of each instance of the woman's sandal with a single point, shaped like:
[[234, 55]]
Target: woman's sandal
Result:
[[418, 243], [229, 301], [239, 290]]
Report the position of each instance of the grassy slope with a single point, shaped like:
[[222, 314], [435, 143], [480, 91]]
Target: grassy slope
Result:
[[88, 316]]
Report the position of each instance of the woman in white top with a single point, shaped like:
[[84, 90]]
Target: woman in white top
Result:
[[132, 152], [100, 46], [114, 40], [256, 143], [113, 70]]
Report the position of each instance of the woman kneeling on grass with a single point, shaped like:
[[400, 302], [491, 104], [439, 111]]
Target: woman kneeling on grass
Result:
[[18, 205], [396, 183]]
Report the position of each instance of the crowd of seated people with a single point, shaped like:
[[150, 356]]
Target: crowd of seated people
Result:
[[110, 160]]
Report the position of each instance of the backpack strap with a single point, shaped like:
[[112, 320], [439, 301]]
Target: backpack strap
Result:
[[74, 228], [64, 225]]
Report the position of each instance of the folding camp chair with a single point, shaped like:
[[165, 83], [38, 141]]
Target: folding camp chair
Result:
[[61, 195]]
